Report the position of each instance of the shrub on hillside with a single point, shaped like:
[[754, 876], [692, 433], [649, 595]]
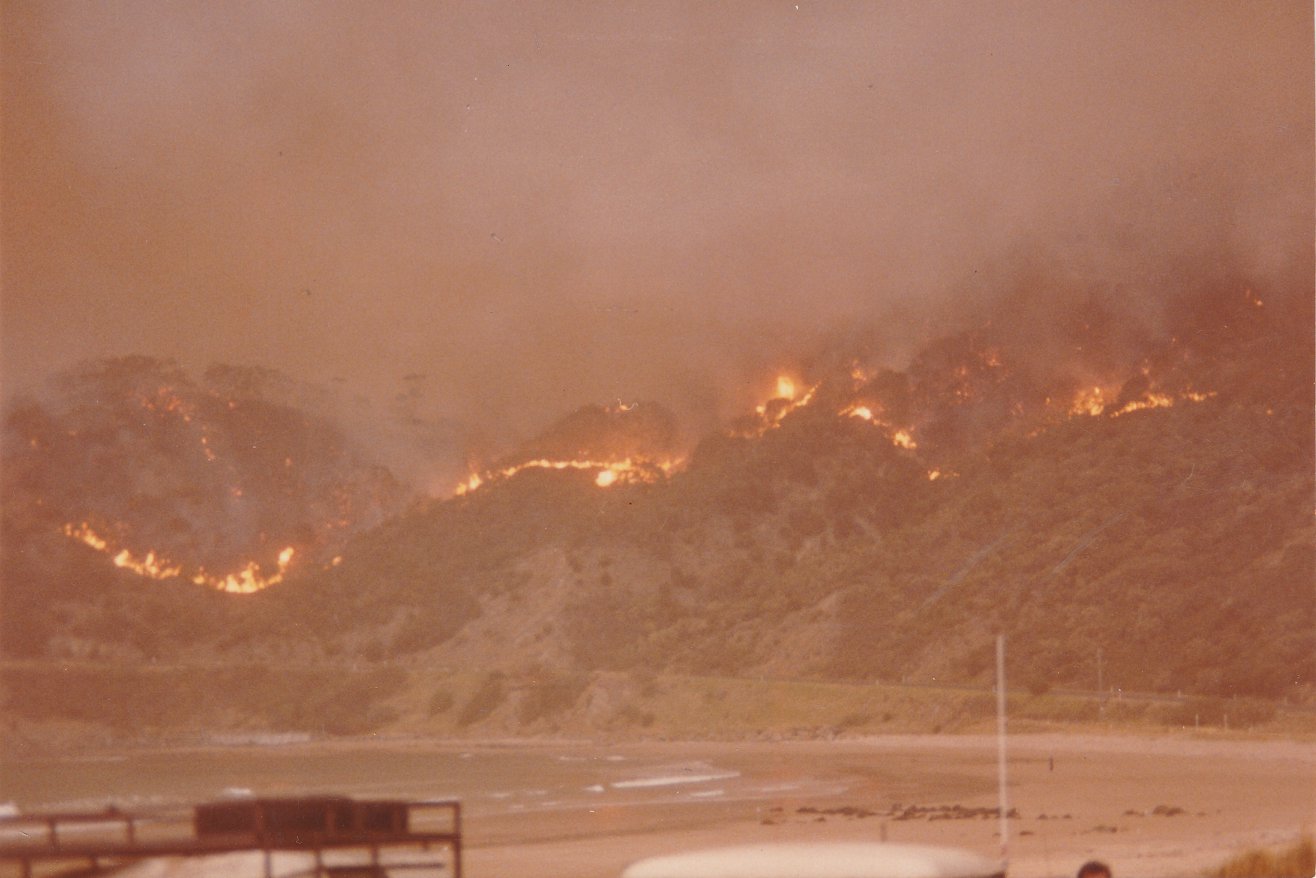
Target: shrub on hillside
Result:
[[1297, 861], [485, 701]]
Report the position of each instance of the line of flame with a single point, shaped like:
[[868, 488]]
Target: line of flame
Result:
[[902, 437], [153, 566], [1093, 402], [609, 472]]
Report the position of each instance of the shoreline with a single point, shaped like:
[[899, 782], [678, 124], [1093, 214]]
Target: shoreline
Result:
[[306, 742], [1153, 805]]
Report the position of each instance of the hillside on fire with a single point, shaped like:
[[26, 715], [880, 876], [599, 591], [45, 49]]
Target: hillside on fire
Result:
[[1130, 506]]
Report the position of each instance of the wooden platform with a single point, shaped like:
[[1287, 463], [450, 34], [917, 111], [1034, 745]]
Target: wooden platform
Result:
[[341, 837]]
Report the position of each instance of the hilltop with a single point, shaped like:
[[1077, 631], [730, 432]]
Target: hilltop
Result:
[[1133, 515]]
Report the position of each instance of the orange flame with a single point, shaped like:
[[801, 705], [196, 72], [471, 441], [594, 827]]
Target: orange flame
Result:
[[904, 438], [1150, 401], [788, 398], [627, 471], [1089, 402], [1096, 401], [249, 578], [153, 566]]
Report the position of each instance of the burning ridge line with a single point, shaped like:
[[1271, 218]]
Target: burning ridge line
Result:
[[247, 580]]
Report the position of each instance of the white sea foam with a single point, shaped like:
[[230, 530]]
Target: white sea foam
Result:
[[672, 780]]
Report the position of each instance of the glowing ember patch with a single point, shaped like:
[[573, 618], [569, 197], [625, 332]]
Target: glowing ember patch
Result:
[[149, 566], [87, 535], [902, 438], [934, 474], [249, 579], [1089, 402], [152, 566], [787, 400], [1150, 401], [1097, 401], [609, 473]]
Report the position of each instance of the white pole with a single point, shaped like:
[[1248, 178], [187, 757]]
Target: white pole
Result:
[[1000, 746]]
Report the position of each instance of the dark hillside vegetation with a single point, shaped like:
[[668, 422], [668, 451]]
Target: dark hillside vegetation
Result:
[[1157, 538]]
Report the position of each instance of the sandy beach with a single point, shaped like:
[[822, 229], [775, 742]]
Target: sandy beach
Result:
[[1150, 806]]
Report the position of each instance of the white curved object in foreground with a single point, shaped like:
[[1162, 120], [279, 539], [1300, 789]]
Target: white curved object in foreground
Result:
[[822, 860]]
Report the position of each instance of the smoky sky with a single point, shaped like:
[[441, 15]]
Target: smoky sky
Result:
[[536, 206]]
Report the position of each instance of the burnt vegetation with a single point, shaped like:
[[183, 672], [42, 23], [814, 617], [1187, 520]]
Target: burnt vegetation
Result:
[[1158, 540]]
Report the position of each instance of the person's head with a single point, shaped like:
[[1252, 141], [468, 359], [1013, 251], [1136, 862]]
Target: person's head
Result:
[[1094, 869]]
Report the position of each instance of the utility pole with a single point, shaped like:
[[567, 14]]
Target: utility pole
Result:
[[1101, 690], [1003, 804]]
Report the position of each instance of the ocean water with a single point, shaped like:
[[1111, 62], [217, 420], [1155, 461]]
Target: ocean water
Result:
[[486, 780]]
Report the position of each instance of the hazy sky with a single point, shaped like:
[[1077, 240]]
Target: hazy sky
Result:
[[542, 205]]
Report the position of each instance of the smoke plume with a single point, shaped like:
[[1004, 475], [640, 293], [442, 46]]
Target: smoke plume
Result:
[[492, 214]]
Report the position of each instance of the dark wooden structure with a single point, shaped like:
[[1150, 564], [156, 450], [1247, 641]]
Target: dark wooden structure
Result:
[[341, 837]]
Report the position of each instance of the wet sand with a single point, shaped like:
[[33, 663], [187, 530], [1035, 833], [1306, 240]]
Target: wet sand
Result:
[[1151, 807]]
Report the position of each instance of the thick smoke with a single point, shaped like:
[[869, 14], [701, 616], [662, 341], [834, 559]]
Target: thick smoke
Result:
[[491, 214]]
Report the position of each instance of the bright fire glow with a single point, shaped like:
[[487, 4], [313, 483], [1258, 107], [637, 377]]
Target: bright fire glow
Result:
[[152, 566], [900, 437], [785, 387], [904, 439], [788, 398], [1150, 401], [1089, 402], [249, 578], [1095, 401], [609, 473]]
